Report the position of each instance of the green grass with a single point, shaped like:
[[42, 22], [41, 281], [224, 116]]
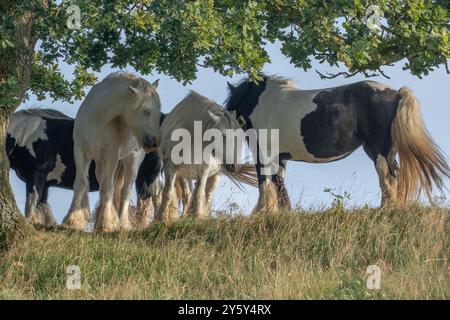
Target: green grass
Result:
[[290, 256]]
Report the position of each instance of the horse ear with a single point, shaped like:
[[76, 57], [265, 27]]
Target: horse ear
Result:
[[155, 84], [135, 90], [230, 86], [214, 116]]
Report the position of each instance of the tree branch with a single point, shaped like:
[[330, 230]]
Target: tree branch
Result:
[[335, 75], [346, 74]]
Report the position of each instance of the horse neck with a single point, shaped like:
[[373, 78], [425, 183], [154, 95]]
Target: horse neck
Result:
[[107, 102], [106, 114]]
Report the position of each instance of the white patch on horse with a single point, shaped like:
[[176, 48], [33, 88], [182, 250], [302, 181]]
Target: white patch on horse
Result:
[[26, 130], [284, 111], [57, 171]]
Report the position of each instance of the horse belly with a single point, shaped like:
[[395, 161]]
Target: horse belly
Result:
[[193, 171], [320, 143], [328, 132]]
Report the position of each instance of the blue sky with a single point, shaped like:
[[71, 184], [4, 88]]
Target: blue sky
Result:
[[305, 182]]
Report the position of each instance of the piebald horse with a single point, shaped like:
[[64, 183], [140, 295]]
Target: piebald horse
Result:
[[118, 119], [180, 123], [39, 146], [324, 125]]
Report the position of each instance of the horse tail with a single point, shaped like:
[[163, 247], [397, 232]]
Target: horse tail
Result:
[[422, 163], [246, 173]]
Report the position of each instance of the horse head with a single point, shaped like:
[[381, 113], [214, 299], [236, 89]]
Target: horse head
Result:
[[145, 118]]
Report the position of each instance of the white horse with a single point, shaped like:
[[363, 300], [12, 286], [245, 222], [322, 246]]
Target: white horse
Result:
[[118, 120], [191, 109]]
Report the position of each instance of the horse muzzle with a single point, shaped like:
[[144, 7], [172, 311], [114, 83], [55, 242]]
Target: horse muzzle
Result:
[[150, 144]]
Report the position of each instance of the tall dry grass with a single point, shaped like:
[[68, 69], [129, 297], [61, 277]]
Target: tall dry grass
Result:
[[308, 255]]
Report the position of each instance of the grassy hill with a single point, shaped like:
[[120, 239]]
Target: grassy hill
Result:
[[304, 255]]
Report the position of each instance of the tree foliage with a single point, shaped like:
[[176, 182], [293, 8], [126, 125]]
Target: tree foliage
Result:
[[177, 37]]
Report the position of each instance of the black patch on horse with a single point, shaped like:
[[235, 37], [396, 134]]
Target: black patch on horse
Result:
[[149, 171], [244, 97], [60, 135], [147, 174], [349, 116], [33, 170]]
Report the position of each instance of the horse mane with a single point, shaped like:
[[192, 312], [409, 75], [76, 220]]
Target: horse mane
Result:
[[207, 104], [48, 114], [284, 81], [134, 80], [246, 86]]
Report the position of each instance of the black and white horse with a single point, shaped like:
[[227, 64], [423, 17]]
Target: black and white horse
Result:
[[326, 125], [40, 146]]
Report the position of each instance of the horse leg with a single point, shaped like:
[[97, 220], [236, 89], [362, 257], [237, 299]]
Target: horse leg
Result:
[[168, 210], [144, 205], [278, 179], [31, 211], [148, 201], [106, 213], [79, 212], [386, 167], [85, 204], [211, 185], [40, 186], [185, 194], [130, 169], [198, 204], [118, 184], [268, 195], [44, 208], [156, 193], [144, 211], [388, 182]]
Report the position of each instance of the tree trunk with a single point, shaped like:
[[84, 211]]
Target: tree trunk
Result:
[[12, 223], [14, 62]]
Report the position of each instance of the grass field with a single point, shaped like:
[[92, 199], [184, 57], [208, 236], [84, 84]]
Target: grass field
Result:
[[308, 255]]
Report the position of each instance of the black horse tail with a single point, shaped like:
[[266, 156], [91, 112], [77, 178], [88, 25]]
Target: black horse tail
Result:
[[422, 163]]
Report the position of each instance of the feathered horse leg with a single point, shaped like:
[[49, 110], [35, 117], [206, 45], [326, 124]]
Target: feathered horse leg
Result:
[[168, 210], [107, 218], [78, 215]]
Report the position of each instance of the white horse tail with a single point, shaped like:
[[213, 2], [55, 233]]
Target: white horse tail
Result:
[[246, 173], [422, 163]]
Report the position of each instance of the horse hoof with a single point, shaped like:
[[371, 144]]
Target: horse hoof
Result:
[[126, 226], [76, 226], [106, 228], [76, 220]]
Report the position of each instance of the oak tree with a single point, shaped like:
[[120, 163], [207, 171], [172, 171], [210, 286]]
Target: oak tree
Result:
[[178, 37]]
